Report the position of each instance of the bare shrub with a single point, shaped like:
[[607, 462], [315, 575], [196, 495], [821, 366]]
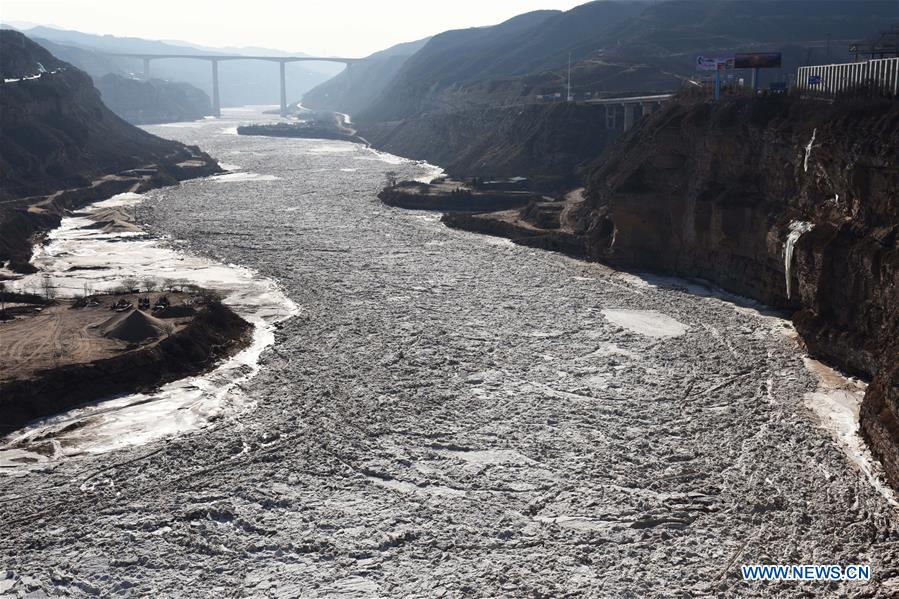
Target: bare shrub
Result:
[[47, 288], [129, 285]]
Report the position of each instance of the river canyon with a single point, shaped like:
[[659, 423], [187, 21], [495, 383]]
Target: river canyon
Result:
[[431, 412]]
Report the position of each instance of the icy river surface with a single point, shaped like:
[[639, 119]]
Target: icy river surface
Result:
[[436, 413]]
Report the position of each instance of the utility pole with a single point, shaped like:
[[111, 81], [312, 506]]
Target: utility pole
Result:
[[568, 94]]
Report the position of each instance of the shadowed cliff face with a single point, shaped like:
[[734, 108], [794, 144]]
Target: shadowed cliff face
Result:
[[548, 143], [727, 192], [57, 136], [54, 130]]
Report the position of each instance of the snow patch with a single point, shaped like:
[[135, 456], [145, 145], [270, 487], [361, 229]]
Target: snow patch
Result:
[[487, 456], [808, 149], [797, 229], [646, 322], [235, 177]]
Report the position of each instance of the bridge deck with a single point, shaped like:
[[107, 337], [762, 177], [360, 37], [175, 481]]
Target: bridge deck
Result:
[[212, 57], [630, 100]]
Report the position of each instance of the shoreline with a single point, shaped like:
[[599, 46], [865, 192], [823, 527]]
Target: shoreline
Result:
[[208, 335], [93, 247], [98, 248], [25, 222]]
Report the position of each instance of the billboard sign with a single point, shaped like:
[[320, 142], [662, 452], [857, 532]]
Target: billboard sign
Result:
[[758, 60], [714, 63]]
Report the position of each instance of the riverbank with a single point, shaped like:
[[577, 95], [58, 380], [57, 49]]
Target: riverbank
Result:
[[24, 222], [70, 352], [547, 225]]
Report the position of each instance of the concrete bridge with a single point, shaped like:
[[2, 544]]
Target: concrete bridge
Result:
[[214, 59], [646, 104]]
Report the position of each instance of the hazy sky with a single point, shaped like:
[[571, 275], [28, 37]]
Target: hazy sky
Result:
[[325, 27]]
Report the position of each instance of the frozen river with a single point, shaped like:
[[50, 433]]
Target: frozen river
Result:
[[448, 414]]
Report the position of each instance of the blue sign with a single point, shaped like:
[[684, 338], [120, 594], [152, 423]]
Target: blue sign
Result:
[[814, 79]]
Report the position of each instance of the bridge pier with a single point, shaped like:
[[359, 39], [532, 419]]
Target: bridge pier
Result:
[[610, 116], [146, 69], [283, 88], [216, 102], [628, 116]]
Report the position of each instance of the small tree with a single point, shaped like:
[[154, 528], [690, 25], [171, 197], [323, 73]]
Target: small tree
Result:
[[47, 287], [150, 285], [391, 177], [129, 284], [87, 288]]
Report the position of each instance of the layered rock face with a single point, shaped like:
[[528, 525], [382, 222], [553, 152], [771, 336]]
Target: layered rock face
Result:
[[787, 201], [548, 143]]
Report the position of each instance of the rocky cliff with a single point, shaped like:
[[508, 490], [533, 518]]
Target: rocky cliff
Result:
[[547, 143], [788, 201]]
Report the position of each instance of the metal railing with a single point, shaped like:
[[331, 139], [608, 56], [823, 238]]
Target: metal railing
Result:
[[878, 76]]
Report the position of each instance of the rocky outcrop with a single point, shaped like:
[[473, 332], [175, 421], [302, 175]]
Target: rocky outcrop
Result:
[[214, 333], [787, 201], [451, 196]]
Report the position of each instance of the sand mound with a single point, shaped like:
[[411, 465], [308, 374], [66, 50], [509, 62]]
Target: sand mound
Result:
[[108, 214], [115, 226], [113, 220], [134, 327]]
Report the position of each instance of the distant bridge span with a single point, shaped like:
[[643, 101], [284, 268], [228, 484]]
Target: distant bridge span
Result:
[[646, 104], [214, 59]]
